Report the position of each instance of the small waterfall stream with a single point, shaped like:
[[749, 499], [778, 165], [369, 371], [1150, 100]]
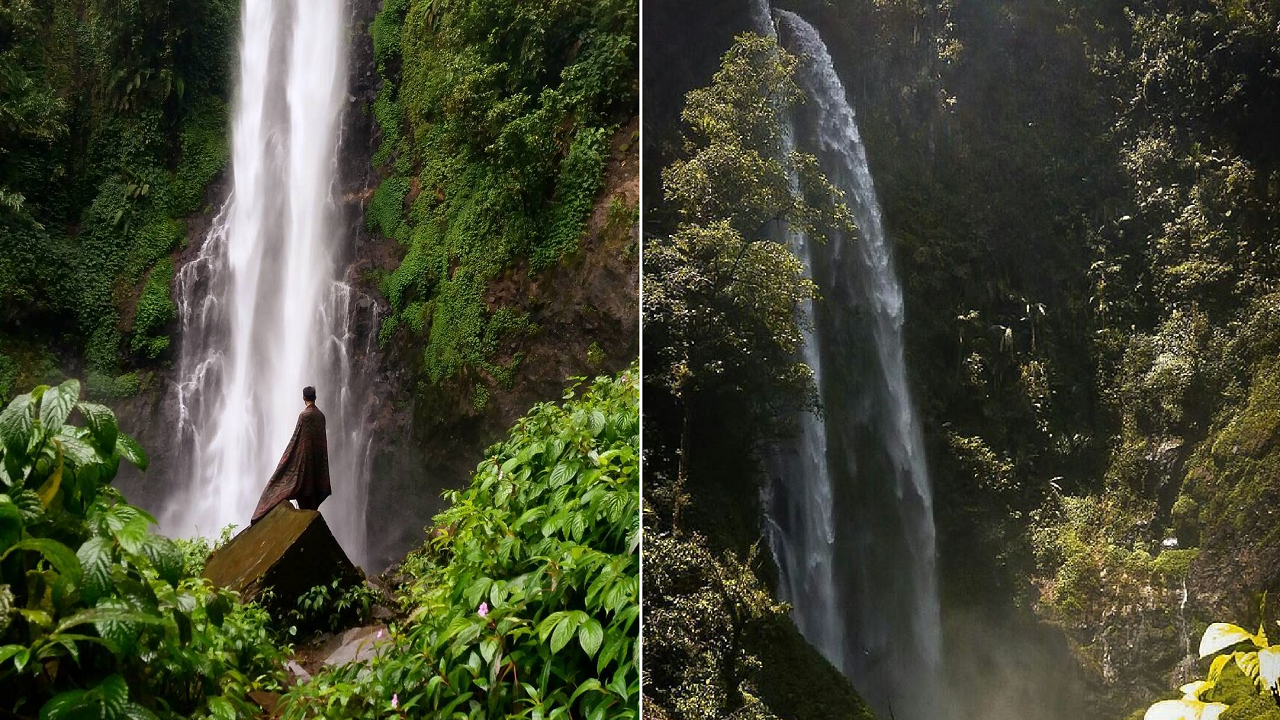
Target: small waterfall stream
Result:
[[850, 514], [264, 308]]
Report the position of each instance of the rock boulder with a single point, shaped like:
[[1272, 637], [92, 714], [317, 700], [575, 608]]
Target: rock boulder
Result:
[[288, 552]]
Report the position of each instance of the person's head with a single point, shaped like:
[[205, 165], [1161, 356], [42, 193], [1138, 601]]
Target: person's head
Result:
[[309, 395]]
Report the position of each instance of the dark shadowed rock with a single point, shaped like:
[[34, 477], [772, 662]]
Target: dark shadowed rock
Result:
[[288, 552]]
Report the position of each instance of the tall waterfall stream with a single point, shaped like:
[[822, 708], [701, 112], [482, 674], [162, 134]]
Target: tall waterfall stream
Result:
[[265, 308], [849, 511]]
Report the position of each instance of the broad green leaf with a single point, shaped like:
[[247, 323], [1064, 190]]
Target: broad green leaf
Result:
[[488, 647], [108, 700], [119, 515], [37, 618], [134, 711], [1220, 636], [563, 633], [58, 555], [562, 474], [614, 645], [590, 635], [595, 423], [95, 559], [80, 453], [71, 705], [102, 423], [119, 623], [133, 535], [217, 607], [16, 425], [587, 686], [503, 493], [130, 450], [221, 708], [29, 505], [115, 695], [56, 405], [164, 556], [108, 613]]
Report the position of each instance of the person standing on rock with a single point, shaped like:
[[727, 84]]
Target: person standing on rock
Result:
[[303, 472]]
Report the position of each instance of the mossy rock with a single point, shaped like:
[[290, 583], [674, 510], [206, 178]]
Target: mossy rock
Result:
[[287, 552], [1253, 708]]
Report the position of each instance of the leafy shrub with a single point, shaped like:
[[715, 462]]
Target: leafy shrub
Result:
[[327, 608], [524, 603], [502, 112], [97, 615], [196, 551]]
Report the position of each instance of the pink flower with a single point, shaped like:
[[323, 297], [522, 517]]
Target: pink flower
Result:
[[484, 609], [395, 700], [378, 636]]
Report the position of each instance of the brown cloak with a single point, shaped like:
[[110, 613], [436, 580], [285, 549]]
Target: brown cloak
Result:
[[303, 472]]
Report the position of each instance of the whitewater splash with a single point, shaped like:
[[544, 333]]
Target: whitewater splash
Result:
[[264, 309], [850, 510]]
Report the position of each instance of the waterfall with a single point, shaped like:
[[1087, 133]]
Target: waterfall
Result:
[[849, 511], [264, 307]]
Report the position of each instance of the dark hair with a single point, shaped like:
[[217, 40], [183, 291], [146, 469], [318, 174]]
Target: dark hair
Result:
[[309, 394]]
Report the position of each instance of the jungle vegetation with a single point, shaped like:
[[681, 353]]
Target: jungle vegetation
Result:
[[112, 124], [523, 600], [1084, 199]]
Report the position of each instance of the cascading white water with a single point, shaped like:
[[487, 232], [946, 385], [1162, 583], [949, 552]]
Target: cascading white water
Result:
[[805, 561], [850, 513], [264, 309]]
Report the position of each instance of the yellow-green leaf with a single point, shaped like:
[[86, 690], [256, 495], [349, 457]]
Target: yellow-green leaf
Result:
[[1220, 636]]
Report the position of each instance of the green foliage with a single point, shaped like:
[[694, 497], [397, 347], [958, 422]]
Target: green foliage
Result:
[[196, 551], [114, 125], [581, 174], [480, 397], [8, 376], [525, 601], [100, 616], [155, 310], [722, 296], [500, 113], [385, 213], [717, 644], [326, 608]]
